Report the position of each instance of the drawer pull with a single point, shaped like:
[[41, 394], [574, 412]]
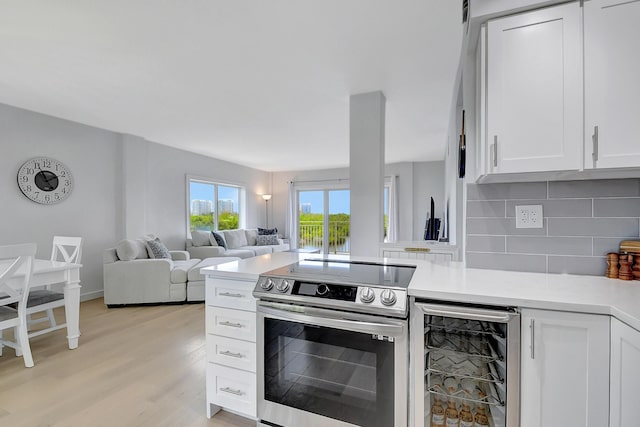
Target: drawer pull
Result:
[[231, 324], [229, 294], [232, 391], [231, 354]]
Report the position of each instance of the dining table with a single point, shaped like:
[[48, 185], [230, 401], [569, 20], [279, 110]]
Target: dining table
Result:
[[47, 272]]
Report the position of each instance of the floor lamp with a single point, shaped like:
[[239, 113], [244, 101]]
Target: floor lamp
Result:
[[266, 198]]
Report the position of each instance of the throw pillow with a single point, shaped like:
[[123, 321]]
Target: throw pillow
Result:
[[252, 236], [267, 239], [219, 239], [212, 239], [267, 231], [157, 249], [235, 238], [142, 249], [200, 238], [127, 250]]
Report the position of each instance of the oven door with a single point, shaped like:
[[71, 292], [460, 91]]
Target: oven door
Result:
[[319, 367]]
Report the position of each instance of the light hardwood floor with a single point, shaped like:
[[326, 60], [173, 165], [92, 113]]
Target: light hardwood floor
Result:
[[135, 366]]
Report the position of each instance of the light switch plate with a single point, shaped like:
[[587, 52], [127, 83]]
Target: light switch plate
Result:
[[529, 216]]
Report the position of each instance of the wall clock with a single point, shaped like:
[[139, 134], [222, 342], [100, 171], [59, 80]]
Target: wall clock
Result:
[[45, 180]]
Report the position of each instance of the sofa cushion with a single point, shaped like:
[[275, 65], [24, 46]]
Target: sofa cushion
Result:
[[252, 236], [219, 237], [258, 250], [181, 269], [142, 249], [157, 249], [240, 253], [194, 273], [127, 250], [269, 239], [200, 238], [266, 231], [212, 239], [235, 238]]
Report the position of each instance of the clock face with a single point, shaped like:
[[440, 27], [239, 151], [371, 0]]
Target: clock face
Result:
[[45, 180]]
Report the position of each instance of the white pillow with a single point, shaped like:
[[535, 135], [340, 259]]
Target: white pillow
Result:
[[200, 238], [142, 249], [252, 236], [235, 238], [127, 250], [212, 239]]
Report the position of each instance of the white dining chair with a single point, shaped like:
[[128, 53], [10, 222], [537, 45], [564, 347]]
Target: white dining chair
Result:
[[67, 250], [12, 259]]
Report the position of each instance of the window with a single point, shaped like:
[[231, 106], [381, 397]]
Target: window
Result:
[[213, 206], [321, 210]]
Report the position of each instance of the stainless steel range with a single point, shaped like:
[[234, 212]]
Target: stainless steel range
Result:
[[333, 344]]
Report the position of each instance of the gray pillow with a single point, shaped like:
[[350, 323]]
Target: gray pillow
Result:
[[157, 249], [235, 238], [200, 238], [252, 236], [267, 231], [267, 239], [127, 250], [219, 239]]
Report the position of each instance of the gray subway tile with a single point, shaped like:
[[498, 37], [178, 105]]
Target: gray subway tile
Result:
[[603, 245], [518, 190], [501, 227], [597, 227], [482, 209], [573, 208], [549, 245], [625, 207], [592, 266], [510, 262], [485, 243], [594, 188]]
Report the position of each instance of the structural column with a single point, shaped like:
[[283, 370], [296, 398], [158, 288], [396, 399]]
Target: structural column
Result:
[[366, 171]]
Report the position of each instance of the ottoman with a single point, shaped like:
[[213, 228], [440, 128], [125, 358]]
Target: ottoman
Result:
[[195, 280]]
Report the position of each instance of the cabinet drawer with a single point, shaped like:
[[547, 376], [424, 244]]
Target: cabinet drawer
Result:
[[230, 352], [230, 293], [231, 323], [232, 389]]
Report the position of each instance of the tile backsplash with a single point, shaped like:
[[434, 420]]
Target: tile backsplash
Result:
[[582, 222]]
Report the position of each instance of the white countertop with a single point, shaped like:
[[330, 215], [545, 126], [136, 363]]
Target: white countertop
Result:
[[453, 282]]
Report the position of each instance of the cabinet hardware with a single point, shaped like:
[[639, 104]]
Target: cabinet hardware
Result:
[[594, 138], [231, 324], [532, 326], [229, 294], [232, 391], [231, 354], [495, 151]]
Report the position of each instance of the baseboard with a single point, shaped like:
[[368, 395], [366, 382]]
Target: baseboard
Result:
[[91, 295]]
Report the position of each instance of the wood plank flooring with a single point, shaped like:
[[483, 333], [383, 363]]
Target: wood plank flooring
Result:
[[135, 366]]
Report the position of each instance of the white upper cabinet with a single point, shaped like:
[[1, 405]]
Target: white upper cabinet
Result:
[[612, 88], [534, 91]]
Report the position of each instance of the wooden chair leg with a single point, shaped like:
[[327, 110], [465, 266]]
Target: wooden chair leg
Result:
[[23, 344]]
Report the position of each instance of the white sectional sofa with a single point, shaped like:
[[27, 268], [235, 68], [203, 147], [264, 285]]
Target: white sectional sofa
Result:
[[241, 243], [131, 277]]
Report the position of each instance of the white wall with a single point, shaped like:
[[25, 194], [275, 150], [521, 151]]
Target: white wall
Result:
[[416, 181], [124, 186], [93, 208]]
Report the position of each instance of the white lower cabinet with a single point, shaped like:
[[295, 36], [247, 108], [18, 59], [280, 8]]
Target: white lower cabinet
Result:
[[564, 369], [625, 375], [231, 346]]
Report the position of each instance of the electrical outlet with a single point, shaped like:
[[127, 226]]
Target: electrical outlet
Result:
[[529, 216]]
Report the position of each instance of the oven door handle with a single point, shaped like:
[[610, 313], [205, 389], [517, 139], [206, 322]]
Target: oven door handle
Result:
[[327, 319]]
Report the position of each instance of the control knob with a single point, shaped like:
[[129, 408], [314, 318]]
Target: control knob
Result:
[[367, 296], [388, 297], [322, 290], [266, 284], [283, 286]]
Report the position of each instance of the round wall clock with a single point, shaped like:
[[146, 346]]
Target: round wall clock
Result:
[[45, 180]]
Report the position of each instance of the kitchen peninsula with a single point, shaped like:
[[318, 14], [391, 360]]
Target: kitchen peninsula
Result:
[[562, 316]]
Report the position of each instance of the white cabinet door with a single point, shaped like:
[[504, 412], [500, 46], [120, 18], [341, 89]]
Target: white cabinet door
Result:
[[612, 90], [565, 369], [481, 149], [534, 92], [625, 375]]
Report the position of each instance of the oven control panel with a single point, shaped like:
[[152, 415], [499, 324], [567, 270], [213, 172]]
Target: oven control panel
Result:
[[361, 298]]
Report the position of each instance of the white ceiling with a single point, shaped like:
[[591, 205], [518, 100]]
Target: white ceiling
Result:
[[263, 83]]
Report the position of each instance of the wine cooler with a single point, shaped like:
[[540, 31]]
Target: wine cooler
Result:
[[465, 365]]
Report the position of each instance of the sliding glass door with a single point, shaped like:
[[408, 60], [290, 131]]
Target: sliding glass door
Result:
[[323, 220]]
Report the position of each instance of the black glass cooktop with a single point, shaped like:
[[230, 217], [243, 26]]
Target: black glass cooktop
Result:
[[351, 272]]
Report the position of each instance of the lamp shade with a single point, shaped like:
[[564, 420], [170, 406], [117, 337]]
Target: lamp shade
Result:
[[266, 197]]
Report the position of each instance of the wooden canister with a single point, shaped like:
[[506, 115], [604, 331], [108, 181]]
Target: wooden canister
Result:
[[612, 265]]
